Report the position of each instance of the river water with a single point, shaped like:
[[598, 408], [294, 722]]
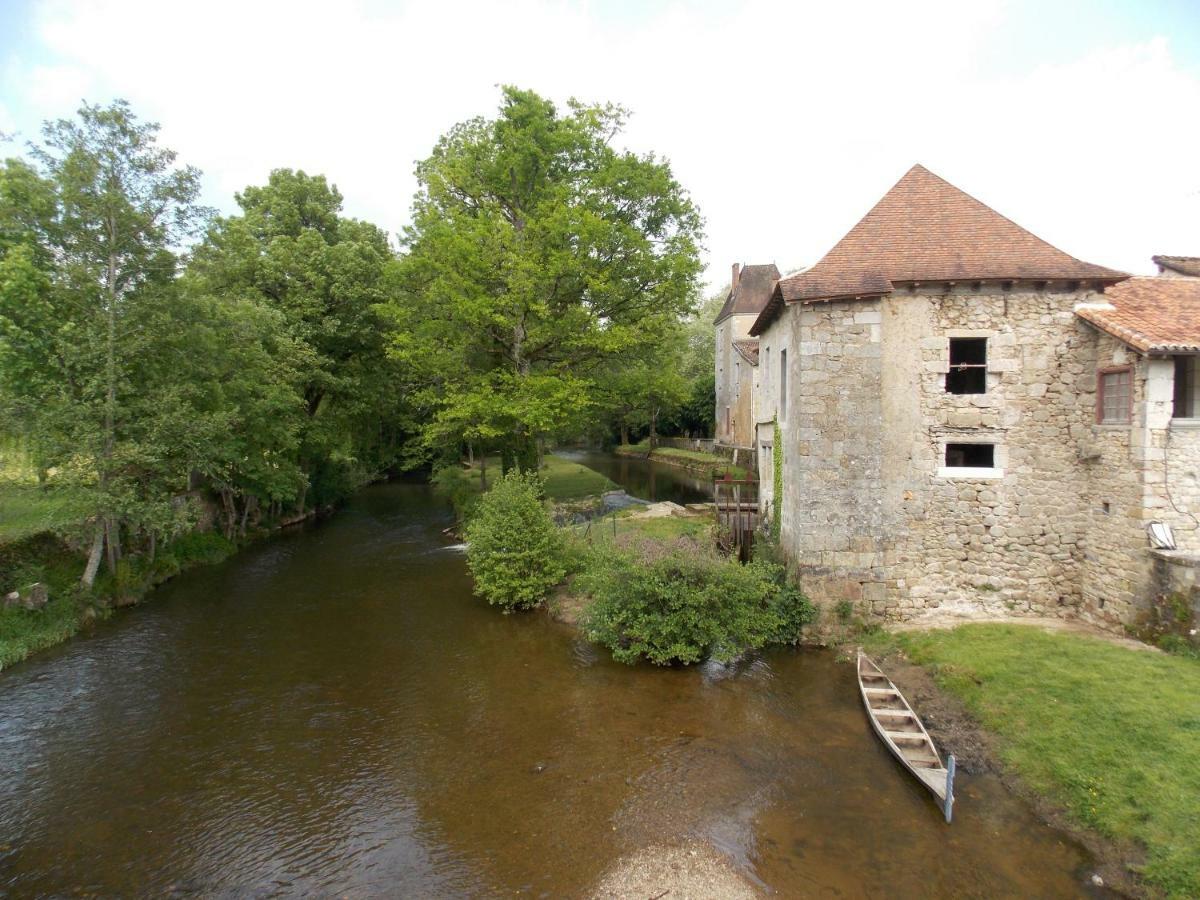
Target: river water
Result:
[[332, 712]]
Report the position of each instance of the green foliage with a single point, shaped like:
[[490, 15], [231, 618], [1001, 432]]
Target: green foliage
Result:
[[791, 608], [1111, 733], [514, 550], [844, 610], [538, 254], [334, 411], [686, 606], [460, 486]]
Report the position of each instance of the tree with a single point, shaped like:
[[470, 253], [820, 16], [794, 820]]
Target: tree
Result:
[[98, 227], [538, 254], [323, 275]]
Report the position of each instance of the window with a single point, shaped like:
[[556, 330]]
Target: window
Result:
[[1113, 396], [970, 456], [968, 366], [1187, 388], [782, 383]]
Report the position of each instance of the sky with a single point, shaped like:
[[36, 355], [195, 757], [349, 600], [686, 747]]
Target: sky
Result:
[[1078, 119]]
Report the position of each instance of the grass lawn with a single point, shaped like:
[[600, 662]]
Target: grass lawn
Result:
[[1112, 734], [710, 461], [26, 509], [664, 528], [565, 480]]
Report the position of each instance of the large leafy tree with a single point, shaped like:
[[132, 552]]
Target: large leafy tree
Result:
[[87, 251], [291, 251], [537, 255]]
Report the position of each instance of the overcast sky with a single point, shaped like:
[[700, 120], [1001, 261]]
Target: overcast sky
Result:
[[786, 121]]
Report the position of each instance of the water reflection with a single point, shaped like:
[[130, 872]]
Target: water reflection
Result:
[[642, 478]]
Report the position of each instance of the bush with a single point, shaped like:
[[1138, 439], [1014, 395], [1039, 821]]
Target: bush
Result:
[[685, 606], [458, 486], [514, 550]]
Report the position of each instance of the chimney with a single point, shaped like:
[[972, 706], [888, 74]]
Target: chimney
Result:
[[737, 275]]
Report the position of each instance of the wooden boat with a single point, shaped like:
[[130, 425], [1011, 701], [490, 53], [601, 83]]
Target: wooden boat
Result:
[[900, 729]]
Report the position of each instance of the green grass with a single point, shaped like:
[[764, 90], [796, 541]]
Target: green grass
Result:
[[45, 558], [709, 461], [565, 480], [26, 509], [1113, 734]]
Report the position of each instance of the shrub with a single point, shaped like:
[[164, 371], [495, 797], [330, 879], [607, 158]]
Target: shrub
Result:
[[458, 486], [514, 550], [792, 610], [685, 606]]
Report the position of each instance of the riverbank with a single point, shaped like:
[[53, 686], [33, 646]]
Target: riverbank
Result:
[[35, 550], [692, 460], [1102, 738]]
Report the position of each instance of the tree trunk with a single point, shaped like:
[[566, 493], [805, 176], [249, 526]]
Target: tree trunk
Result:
[[483, 468], [624, 434], [654, 428], [470, 454], [93, 563]]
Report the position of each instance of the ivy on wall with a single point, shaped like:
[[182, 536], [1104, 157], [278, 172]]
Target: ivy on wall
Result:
[[776, 480]]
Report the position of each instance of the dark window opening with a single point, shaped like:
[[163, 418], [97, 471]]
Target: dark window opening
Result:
[[1187, 388], [782, 384], [968, 366], [970, 456]]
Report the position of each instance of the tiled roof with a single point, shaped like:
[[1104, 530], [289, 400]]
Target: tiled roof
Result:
[[926, 229], [1153, 315], [752, 292], [749, 351], [1182, 265]]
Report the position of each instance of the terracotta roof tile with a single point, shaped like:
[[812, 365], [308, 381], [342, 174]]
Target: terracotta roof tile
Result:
[[1182, 265], [926, 229], [749, 351], [1152, 315], [752, 292]]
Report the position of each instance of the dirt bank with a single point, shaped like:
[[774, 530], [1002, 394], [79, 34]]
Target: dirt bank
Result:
[[977, 751]]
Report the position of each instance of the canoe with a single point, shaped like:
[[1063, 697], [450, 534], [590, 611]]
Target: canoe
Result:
[[901, 730]]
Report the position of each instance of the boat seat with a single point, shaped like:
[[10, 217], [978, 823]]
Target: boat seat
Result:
[[887, 690], [908, 736], [898, 711]]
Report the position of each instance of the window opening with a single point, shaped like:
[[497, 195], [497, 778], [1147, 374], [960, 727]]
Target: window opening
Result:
[[1187, 388], [968, 366], [1113, 398], [970, 456]]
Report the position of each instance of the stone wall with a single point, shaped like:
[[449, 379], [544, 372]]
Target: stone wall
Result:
[[870, 512], [735, 377]]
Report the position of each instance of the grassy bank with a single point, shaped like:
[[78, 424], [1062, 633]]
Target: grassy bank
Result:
[[693, 460], [1112, 734], [26, 508], [46, 559]]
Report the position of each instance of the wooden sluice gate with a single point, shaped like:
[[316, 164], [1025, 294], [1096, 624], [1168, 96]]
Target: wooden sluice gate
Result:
[[736, 501]]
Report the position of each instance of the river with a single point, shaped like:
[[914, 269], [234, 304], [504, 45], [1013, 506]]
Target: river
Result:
[[332, 712]]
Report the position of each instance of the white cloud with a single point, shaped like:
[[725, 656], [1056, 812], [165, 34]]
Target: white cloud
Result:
[[786, 121]]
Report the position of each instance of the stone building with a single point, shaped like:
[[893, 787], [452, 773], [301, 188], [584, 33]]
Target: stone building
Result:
[[969, 417], [737, 353]]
